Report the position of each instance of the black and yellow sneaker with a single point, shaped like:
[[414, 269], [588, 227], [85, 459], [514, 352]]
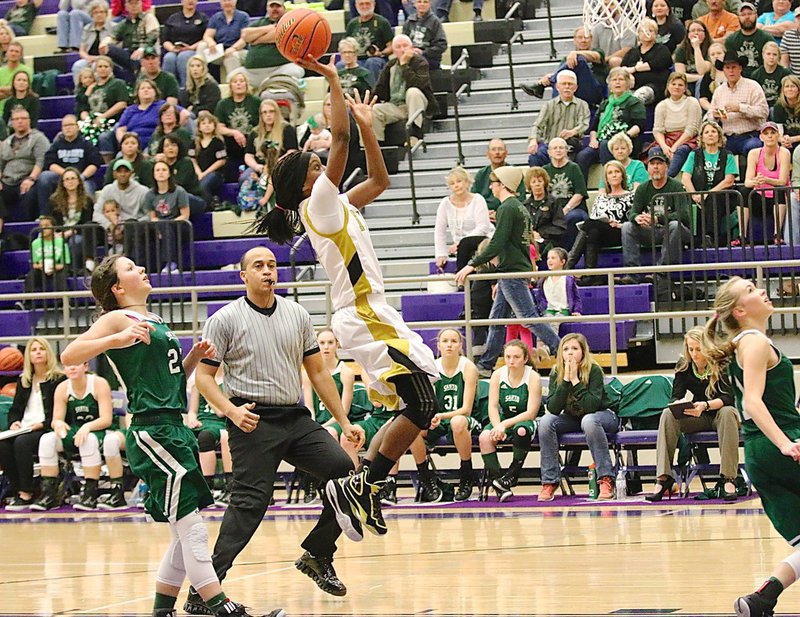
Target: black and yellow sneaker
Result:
[[320, 570], [754, 605], [356, 502]]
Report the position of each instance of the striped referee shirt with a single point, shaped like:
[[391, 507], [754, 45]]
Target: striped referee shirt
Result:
[[262, 350]]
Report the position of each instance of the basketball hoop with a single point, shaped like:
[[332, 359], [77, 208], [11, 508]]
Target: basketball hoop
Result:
[[622, 16]]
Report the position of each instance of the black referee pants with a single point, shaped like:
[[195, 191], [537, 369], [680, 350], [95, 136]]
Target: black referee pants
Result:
[[282, 434]]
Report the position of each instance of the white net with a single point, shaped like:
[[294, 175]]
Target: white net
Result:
[[622, 16]]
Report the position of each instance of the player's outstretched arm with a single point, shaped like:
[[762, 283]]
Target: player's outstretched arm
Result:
[[377, 175], [112, 331]]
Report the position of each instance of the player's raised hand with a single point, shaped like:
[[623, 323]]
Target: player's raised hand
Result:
[[204, 349], [361, 109], [135, 333], [328, 71]]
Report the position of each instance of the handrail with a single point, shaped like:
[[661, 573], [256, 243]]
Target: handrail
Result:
[[517, 35], [353, 175], [553, 52], [463, 59], [411, 151], [293, 261]]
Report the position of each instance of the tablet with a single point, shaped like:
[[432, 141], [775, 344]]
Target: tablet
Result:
[[678, 408]]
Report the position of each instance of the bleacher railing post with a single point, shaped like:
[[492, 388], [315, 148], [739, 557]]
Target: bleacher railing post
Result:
[[468, 316], [293, 261], [411, 151], [462, 60], [612, 320]]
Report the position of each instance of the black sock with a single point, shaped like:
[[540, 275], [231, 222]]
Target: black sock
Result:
[[379, 468], [477, 11], [466, 465], [210, 482], [771, 589], [422, 468]]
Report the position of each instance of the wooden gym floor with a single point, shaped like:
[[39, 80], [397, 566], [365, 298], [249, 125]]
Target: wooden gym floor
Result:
[[682, 559]]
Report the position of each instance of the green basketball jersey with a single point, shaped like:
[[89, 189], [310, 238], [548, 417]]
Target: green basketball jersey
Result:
[[450, 390], [152, 374], [513, 400], [779, 392], [361, 407], [321, 413], [204, 411], [85, 409]]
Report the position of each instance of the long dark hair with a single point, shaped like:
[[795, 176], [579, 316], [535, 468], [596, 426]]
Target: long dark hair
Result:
[[104, 277], [686, 46], [60, 198], [170, 179], [282, 223], [175, 139]]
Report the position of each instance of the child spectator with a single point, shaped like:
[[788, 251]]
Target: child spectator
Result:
[[22, 95], [49, 256], [319, 141], [20, 16], [168, 202], [208, 154], [558, 295], [115, 232]]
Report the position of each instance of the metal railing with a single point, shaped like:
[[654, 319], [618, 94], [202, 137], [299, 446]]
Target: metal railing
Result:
[[463, 61], [517, 36], [411, 151]]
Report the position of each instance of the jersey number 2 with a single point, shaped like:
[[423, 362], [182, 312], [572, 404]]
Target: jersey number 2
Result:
[[174, 359]]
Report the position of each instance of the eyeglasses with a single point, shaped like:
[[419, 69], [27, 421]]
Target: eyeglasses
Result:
[[65, 125]]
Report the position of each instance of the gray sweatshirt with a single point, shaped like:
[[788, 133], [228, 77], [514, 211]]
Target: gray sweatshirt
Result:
[[131, 203], [19, 155]]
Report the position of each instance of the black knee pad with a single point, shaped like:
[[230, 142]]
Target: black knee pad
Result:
[[521, 441], [206, 441]]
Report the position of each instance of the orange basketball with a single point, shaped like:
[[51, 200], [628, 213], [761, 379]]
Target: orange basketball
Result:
[[10, 359], [9, 390], [301, 32]]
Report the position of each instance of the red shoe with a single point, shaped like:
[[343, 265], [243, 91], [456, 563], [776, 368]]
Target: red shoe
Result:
[[606, 488], [737, 242], [548, 492], [777, 240]]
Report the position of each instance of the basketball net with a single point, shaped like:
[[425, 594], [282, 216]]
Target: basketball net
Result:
[[622, 16]]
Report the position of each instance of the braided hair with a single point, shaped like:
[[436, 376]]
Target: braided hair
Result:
[[282, 223]]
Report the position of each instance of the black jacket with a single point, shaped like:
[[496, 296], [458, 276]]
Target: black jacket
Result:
[[22, 395], [205, 99], [416, 74]]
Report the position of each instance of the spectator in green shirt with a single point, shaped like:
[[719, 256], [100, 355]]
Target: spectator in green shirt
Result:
[[374, 35], [12, 64], [496, 153], [131, 36], [20, 16], [49, 256], [151, 69]]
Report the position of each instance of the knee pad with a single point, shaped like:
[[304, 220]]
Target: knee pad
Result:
[[48, 449], [193, 536], [90, 451], [521, 438], [171, 570], [111, 446], [206, 441], [793, 561]]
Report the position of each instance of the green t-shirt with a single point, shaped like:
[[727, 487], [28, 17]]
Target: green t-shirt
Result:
[[711, 165], [748, 46], [377, 31], [166, 82], [241, 116], [770, 82], [789, 120], [102, 98], [266, 55], [648, 198], [681, 57], [134, 35], [7, 78], [480, 185], [153, 374], [565, 182], [358, 79], [54, 248], [511, 239], [22, 16]]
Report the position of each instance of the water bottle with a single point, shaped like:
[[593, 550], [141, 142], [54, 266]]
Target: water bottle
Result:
[[141, 493], [401, 18], [621, 486], [592, 482]]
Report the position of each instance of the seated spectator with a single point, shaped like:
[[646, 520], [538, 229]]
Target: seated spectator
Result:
[[496, 152], [606, 37], [621, 112], [130, 150], [604, 226], [464, 216], [143, 116], [12, 65], [20, 16], [443, 10], [99, 106], [119, 8], [547, 218], [712, 411], [670, 29], [115, 234], [621, 147], [719, 22], [426, 33], [180, 37], [403, 88], [72, 210], [649, 62], [791, 231], [82, 411], [69, 149], [202, 90], [32, 408], [173, 152], [21, 161], [691, 56], [575, 404], [700, 7], [767, 167], [208, 154], [237, 114], [713, 79], [353, 76], [94, 31], [319, 138], [748, 41], [6, 37], [130, 38], [770, 74], [557, 295], [739, 105], [374, 35], [588, 65], [655, 219], [126, 192], [786, 112], [72, 17], [568, 188], [515, 394], [790, 46], [168, 123], [166, 83], [167, 201], [50, 255], [263, 60], [677, 123], [564, 116], [225, 29], [711, 168], [777, 22], [269, 140], [22, 95]]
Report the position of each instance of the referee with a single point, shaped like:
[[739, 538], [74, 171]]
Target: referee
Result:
[[262, 340]]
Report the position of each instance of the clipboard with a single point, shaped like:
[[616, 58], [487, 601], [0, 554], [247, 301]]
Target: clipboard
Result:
[[15, 433], [679, 407]]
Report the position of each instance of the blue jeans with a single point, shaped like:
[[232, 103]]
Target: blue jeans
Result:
[[18, 30], [513, 295], [634, 235], [742, 144], [69, 26], [539, 158], [176, 62], [589, 89], [595, 425], [442, 9], [574, 216], [589, 156], [678, 159], [212, 183], [125, 68], [107, 143]]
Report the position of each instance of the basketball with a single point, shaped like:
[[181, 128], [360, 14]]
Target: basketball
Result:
[[9, 390], [301, 32], [10, 359]]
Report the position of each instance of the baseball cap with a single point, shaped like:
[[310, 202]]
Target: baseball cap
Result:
[[769, 125], [281, 2], [122, 163], [656, 153], [797, 12], [149, 51], [748, 5]]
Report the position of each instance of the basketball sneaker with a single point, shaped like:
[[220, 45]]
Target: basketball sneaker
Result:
[[465, 487], [49, 498], [754, 605], [429, 489], [18, 504], [88, 499], [194, 604], [115, 500], [388, 493], [234, 609], [502, 486], [320, 570], [165, 612], [355, 502]]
